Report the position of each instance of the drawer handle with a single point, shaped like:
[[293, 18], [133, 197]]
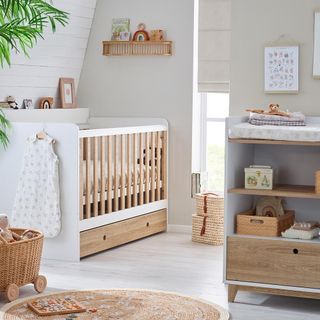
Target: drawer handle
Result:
[[147, 224], [105, 237], [256, 221], [295, 251]]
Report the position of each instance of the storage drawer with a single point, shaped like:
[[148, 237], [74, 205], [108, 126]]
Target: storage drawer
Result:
[[281, 262], [115, 234]]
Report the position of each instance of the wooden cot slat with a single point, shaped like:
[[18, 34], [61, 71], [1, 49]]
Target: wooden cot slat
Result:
[[164, 164], [158, 165], [102, 175], [81, 178], [147, 183], [152, 166], [95, 177], [135, 176], [115, 176], [129, 173], [88, 178], [122, 173], [141, 158], [109, 196]]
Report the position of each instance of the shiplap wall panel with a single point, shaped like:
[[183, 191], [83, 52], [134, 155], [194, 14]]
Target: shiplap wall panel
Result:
[[59, 55]]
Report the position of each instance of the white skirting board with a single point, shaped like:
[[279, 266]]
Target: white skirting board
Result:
[[177, 228]]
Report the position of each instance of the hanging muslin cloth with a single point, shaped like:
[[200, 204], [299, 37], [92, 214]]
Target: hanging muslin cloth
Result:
[[36, 204]]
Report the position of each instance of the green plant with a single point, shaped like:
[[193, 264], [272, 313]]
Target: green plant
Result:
[[23, 22], [4, 126]]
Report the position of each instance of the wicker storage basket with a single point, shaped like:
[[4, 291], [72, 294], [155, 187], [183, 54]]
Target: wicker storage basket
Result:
[[210, 204], [20, 262], [207, 230], [250, 224]]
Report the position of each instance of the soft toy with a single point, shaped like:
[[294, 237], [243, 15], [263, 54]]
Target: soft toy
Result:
[[6, 234], [12, 102], [274, 109]]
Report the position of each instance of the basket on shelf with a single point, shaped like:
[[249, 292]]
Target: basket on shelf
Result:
[[20, 264], [208, 223], [250, 224]]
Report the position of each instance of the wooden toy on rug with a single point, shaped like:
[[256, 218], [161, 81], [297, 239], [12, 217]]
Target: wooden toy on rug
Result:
[[55, 306], [274, 109]]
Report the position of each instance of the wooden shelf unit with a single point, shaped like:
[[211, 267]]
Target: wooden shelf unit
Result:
[[261, 264], [137, 48]]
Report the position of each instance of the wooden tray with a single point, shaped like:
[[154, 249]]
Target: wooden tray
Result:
[[250, 224], [62, 306]]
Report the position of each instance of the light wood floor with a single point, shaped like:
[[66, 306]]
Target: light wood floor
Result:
[[171, 262]]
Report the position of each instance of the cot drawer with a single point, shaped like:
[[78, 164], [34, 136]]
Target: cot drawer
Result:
[[115, 234], [279, 262]]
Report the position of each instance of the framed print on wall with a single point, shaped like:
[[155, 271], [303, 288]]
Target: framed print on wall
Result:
[[67, 93], [281, 69]]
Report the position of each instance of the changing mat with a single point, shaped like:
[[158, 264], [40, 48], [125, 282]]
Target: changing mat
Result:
[[310, 132]]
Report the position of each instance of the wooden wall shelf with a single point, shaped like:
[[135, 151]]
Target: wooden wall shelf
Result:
[[137, 48]]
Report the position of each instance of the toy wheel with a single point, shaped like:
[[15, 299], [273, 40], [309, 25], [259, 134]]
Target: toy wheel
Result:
[[40, 283], [12, 292]]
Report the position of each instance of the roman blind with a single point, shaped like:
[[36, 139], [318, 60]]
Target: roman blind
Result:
[[214, 45]]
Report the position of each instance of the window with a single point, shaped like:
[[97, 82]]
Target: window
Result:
[[214, 110]]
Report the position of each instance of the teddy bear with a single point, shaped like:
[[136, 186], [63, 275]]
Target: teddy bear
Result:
[[7, 234]]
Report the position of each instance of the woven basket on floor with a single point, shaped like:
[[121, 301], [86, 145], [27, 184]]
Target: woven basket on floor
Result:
[[207, 230], [20, 261], [210, 204]]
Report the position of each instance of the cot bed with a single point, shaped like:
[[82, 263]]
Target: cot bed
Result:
[[113, 181]]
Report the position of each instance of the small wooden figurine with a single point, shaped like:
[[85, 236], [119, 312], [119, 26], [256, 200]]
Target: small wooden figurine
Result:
[[141, 34], [46, 103]]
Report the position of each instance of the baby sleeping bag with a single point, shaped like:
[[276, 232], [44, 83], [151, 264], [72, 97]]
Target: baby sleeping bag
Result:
[[37, 204]]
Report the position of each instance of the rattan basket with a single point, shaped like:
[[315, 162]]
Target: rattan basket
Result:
[[210, 204], [20, 264], [250, 224], [207, 230]]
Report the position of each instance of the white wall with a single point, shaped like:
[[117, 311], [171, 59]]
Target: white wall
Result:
[[59, 55], [147, 86], [254, 24]]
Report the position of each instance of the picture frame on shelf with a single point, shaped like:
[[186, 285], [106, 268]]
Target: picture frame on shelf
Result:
[[67, 93], [120, 25], [281, 69]]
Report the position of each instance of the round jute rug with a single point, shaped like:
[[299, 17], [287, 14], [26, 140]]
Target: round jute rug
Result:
[[124, 304]]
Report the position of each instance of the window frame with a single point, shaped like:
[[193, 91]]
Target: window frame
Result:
[[204, 127]]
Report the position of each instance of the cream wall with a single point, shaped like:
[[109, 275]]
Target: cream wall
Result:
[[254, 24], [147, 86]]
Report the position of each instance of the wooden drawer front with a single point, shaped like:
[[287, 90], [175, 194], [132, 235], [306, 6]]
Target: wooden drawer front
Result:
[[274, 262], [115, 234]]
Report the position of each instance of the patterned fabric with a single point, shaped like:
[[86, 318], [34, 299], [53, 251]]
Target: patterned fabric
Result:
[[36, 204], [276, 123], [294, 116], [125, 305]]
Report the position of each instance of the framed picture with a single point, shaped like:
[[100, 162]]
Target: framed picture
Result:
[[281, 69], [316, 47], [67, 93], [120, 25]]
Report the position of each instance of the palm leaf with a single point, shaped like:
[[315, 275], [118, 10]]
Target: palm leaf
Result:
[[22, 23]]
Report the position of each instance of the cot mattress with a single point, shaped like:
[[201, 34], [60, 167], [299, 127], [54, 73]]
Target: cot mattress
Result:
[[309, 133]]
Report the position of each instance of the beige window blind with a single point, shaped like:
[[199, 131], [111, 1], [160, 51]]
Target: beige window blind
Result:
[[214, 45]]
